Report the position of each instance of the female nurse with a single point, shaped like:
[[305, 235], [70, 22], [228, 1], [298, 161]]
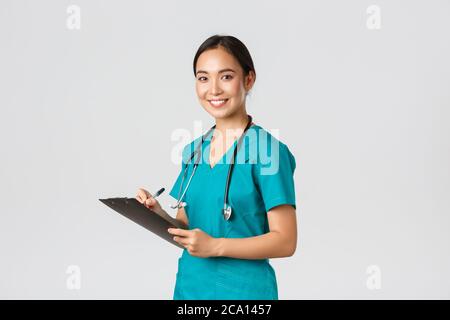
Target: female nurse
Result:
[[227, 253]]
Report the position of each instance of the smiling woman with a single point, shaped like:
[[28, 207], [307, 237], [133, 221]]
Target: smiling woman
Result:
[[225, 74], [239, 212]]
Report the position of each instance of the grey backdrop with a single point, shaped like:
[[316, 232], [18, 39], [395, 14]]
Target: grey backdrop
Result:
[[89, 113]]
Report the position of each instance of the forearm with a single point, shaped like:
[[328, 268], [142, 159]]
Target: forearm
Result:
[[269, 245]]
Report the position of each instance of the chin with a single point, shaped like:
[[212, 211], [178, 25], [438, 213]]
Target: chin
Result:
[[218, 113]]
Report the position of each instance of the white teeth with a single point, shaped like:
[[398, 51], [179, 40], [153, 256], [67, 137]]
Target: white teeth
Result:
[[217, 102]]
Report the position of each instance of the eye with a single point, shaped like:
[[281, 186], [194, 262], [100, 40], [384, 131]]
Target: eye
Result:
[[200, 78], [229, 75]]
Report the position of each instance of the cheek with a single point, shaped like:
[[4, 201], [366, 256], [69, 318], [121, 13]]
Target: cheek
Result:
[[201, 90], [234, 88]]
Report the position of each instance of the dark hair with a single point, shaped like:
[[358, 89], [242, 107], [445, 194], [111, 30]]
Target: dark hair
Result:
[[233, 45]]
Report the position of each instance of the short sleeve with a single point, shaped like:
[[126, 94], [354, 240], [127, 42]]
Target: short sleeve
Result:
[[275, 177], [176, 186]]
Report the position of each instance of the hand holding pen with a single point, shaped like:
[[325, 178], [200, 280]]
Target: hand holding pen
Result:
[[148, 200]]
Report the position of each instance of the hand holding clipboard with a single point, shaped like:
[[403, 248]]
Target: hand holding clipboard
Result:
[[147, 212]]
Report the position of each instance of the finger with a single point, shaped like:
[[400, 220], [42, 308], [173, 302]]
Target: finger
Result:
[[179, 232], [147, 194], [184, 241], [142, 194], [138, 198], [150, 201]]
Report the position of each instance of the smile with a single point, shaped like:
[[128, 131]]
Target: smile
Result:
[[218, 103]]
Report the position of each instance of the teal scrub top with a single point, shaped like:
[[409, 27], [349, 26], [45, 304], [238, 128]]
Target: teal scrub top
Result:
[[261, 180]]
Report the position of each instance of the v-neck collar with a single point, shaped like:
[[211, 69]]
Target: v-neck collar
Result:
[[223, 158], [226, 155]]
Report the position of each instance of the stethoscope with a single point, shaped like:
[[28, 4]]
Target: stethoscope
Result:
[[226, 211]]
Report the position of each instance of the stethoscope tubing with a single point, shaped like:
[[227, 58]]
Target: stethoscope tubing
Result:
[[226, 208]]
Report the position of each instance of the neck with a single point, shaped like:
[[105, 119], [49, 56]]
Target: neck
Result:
[[230, 124]]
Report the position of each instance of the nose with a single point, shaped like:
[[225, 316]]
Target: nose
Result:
[[215, 87]]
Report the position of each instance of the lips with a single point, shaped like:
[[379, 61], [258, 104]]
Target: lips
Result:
[[217, 103]]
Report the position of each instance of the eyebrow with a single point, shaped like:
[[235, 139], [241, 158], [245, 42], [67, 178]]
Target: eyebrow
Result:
[[220, 71]]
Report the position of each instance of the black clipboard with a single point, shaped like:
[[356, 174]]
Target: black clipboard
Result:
[[140, 214]]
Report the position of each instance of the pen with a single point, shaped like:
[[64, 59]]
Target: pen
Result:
[[158, 192]]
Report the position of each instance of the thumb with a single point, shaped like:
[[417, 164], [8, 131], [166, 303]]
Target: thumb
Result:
[[150, 201]]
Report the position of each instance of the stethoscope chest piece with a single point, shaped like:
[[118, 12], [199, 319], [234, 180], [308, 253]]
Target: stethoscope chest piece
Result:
[[227, 213]]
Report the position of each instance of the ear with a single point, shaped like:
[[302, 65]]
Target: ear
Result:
[[249, 80]]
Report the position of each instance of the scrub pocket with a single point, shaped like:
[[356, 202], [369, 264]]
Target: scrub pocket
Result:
[[245, 279]]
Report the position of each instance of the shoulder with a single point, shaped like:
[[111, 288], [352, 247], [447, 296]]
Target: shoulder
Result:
[[268, 146]]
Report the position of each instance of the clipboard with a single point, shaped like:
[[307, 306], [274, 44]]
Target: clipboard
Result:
[[140, 214]]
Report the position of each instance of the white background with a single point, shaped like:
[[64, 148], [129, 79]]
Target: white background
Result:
[[89, 114]]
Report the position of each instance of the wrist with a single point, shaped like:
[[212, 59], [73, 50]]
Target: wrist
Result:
[[219, 247]]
